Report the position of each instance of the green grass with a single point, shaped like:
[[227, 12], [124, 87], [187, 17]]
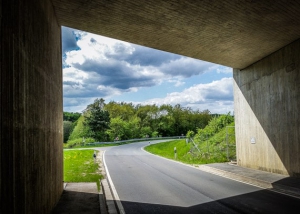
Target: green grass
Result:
[[66, 147], [213, 150], [79, 166], [216, 146], [166, 149], [183, 155]]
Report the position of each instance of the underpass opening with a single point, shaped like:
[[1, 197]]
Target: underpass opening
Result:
[[120, 72]]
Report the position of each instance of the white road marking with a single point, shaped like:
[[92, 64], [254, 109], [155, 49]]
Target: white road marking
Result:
[[113, 189]]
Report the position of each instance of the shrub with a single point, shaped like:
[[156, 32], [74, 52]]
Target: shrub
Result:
[[79, 141]]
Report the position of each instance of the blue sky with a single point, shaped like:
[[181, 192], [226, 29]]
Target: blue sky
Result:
[[99, 67]]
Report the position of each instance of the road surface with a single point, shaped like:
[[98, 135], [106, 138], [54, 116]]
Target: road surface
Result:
[[149, 184]]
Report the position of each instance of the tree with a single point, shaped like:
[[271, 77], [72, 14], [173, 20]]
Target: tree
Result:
[[97, 119], [68, 128], [80, 130], [123, 110], [145, 131], [124, 130], [117, 129], [71, 116]]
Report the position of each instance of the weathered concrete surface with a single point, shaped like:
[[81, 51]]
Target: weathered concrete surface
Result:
[[231, 32], [267, 100], [31, 179], [235, 33]]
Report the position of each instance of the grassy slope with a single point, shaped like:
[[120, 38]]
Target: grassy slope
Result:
[[212, 150], [167, 149], [79, 166]]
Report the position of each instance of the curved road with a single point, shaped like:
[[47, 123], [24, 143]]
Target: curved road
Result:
[[146, 183]]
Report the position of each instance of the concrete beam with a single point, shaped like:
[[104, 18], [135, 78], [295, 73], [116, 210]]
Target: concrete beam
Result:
[[235, 33]]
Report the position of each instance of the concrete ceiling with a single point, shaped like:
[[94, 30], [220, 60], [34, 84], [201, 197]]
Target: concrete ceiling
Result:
[[235, 33]]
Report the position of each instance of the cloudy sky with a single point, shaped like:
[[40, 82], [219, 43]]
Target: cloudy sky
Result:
[[99, 67]]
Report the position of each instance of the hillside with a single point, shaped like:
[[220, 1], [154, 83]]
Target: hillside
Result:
[[213, 144]]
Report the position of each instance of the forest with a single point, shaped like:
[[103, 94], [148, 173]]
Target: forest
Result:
[[106, 122]]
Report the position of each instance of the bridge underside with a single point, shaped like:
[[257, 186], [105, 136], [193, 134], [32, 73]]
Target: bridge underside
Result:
[[232, 32], [259, 39]]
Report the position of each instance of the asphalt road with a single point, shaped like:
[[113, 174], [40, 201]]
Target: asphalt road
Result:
[[149, 184]]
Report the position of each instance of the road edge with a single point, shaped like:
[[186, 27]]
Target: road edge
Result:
[[112, 188]]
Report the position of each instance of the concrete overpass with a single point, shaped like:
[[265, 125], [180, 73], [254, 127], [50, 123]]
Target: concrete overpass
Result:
[[258, 39]]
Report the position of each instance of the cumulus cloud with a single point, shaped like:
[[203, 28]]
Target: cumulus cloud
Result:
[[224, 70], [177, 82], [217, 94], [150, 57], [120, 66], [186, 67], [97, 66]]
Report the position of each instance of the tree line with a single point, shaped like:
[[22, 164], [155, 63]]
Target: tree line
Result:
[[111, 121]]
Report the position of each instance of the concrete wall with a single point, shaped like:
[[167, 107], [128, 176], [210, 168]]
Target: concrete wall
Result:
[[267, 101], [31, 179]]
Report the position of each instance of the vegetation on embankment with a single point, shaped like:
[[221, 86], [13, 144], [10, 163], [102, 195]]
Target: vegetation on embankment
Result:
[[213, 144], [80, 166], [183, 152]]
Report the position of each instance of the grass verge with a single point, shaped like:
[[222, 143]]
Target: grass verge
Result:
[[79, 166], [184, 155]]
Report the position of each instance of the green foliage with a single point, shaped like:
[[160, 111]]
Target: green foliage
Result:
[[219, 144], [97, 119], [122, 129], [145, 131], [215, 125], [105, 122], [214, 149], [80, 130], [213, 143], [117, 129], [79, 166], [132, 128], [123, 110], [71, 116], [154, 134], [190, 134], [79, 141], [68, 128], [166, 149]]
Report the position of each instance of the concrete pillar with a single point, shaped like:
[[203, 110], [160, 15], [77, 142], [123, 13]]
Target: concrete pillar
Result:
[[31, 179], [267, 101]]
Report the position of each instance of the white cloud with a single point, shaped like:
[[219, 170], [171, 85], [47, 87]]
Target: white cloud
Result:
[[225, 70], [217, 94], [97, 66], [177, 82], [186, 67]]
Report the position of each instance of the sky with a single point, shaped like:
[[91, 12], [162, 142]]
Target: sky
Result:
[[95, 66]]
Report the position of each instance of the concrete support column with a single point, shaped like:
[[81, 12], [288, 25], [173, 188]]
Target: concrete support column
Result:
[[31, 179], [267, 101]]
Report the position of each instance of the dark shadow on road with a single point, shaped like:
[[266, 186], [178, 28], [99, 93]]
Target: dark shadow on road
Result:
[[72, 202], [289, 185], [263, 201]]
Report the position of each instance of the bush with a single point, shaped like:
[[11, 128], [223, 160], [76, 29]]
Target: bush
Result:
[[79, 141], [154, 134], [215, 125]]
